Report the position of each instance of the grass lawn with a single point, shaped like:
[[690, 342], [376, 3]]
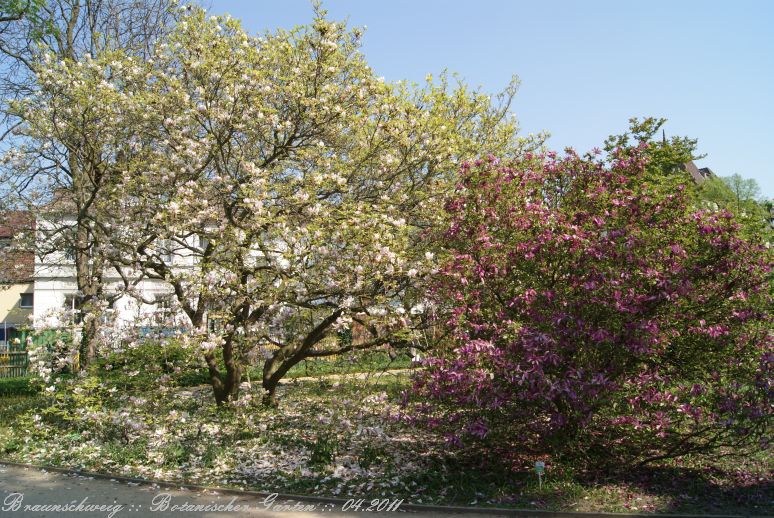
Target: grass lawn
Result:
[[339, 438]]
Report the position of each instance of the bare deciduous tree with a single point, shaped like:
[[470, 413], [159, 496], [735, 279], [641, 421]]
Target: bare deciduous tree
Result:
[[68, 164]]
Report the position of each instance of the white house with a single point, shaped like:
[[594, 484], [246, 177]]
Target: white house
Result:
[[57, 299]]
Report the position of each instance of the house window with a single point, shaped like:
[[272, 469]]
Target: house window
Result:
[[165, 251], [164, 304], [213, 325], [108, 316], [73, 304], [26, 300]]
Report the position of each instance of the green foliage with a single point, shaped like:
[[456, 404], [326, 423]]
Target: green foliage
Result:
[[13, 10], [17, 387], [30, 12], [363, 362], [142, 365], [370, 455], [742, 197], [743, 189], [665, 156], [344, 336], [192, 378], [324, 449], [176, 454]]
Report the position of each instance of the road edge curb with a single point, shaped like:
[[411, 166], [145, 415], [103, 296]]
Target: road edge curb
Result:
[[333, 500]]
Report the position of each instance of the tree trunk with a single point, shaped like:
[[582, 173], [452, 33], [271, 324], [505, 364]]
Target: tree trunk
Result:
[[274, 370], [278, 365], [270, 397], [88, 274], [225, 388], [87, 349], [291, 354]]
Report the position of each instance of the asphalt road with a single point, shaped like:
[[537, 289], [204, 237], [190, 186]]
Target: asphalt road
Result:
[[26, 492]]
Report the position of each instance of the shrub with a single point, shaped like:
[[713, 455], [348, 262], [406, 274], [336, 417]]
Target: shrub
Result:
[[596, 315], [51, 353], [20, 386], [144, 364]]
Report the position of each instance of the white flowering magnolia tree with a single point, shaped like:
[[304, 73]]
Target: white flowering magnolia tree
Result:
[[277, 185]]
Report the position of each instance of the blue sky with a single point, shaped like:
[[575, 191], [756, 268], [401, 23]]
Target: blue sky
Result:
[[585, 66]]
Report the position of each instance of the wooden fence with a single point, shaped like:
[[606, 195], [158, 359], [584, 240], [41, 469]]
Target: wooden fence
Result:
[[13, 362]]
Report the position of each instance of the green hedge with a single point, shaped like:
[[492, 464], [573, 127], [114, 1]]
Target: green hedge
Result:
[[17, 386]]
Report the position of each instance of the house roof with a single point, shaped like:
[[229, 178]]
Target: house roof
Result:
[[61, 201], [16, 263], [698, 175], [13, 222]]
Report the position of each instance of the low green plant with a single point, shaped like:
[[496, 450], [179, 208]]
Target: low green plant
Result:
[[21, 386], [141, 366], [370, 455], [324, 449]]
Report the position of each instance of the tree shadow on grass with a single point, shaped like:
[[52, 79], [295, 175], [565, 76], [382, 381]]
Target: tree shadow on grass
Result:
[[719, 489], [746, 490]]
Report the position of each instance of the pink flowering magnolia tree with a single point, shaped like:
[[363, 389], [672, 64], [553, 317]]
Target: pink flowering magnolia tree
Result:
[[596, 314]]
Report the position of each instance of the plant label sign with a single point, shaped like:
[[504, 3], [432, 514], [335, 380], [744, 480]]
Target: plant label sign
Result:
[[540, 467]]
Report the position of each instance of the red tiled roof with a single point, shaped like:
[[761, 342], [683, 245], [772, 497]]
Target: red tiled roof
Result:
[[16, 264], [14, 221]]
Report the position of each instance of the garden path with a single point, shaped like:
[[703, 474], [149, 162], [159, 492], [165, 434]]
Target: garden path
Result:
[[34, 487]]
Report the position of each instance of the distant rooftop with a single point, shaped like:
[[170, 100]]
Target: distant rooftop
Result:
[[699, 175], [61, 201]]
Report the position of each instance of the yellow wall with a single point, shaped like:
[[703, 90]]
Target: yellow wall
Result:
[[9, 303]]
